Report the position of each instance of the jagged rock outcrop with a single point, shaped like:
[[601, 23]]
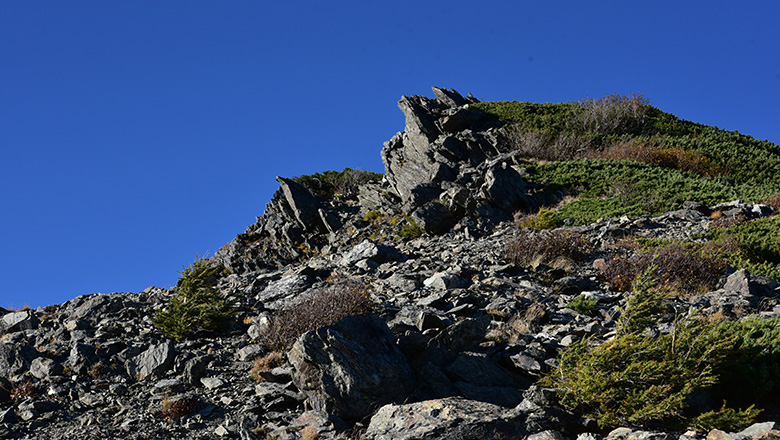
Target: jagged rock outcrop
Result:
[[451, 151]]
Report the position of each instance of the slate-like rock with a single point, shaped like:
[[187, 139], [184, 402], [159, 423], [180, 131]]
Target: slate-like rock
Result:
[[449, 418], [15, 358], [43, 368], [505, 188], [18, 321], [351, 367], [367, 249], [434, 218], [82, 357], [154, 361], [304, 205]]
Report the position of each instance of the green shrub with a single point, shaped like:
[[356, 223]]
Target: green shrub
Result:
[[410, 229], [611, 189], [639, 380], [330, 183], [587, 305], [755, 245], [583, 129], [725, 419], [373, 216], [195, 306], [544, 219], [752, 372], [321, 307]]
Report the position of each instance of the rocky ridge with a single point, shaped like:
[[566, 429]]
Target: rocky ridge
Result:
[[454, 350]]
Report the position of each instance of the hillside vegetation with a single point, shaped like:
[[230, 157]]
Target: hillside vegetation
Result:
[[618, 155]]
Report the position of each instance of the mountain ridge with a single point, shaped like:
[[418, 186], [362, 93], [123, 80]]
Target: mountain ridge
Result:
[[480, 264]]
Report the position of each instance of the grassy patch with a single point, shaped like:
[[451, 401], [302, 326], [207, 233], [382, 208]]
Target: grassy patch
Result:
[[754, 245], [410, 230], [678, 160], [609, 188]]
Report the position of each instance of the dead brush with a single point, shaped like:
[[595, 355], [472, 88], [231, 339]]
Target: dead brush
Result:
[[677, 269], [265, 364], [529, 246], [319, 308]]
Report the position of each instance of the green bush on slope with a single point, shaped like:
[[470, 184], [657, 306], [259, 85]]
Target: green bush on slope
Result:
[[757, 245], [641, 380], [330, 183], [609, 189], [195, 306], [683, 160]]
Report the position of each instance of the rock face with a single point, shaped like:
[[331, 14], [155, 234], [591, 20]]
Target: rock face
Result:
[[458, 340], [451, 151], [350, 368]]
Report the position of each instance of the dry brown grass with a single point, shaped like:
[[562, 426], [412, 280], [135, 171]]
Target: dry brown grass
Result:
[[319, 308]]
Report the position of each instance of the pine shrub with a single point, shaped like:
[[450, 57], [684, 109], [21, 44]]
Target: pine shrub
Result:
[[195, 306], [640, 380]]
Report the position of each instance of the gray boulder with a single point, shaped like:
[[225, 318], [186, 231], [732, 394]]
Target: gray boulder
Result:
[[451, 418], [154, 361], [43, 368], [18, 321], [505, 188], [367, 249], [351, 367], [434, 218], [81, 358], [15, 358]]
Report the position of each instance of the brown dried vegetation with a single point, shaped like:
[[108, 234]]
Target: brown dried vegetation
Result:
[[321, 307], [545, 246]]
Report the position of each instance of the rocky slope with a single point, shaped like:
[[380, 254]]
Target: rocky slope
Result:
[[458, 339]]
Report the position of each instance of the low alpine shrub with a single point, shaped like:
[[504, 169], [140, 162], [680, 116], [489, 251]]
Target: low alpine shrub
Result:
[[176, 408], [678, 269], [410, 230], [195, 306], [544, 219], [264, 364], [587, 305], [330, 183], [641, 380]]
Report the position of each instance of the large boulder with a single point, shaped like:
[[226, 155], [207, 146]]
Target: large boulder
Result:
[[18, 321], [434, 218], [156, 360], [451, 418], [15, 358], [350, 368], [505, 188]]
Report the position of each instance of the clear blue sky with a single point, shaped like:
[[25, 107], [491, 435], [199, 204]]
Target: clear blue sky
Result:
[[135, 135]]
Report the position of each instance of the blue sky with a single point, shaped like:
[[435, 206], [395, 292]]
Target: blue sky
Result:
[[135, 135]]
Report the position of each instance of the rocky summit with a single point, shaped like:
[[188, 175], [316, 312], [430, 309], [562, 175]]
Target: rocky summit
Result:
[[479, 289]]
